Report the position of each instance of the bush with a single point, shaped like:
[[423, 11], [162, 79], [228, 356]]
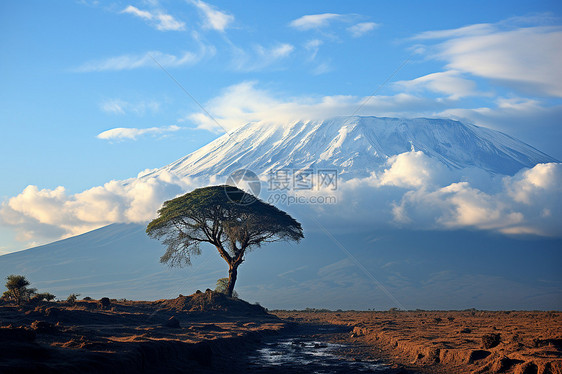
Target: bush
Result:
[[43, 296], [104, 302], [71, 299]]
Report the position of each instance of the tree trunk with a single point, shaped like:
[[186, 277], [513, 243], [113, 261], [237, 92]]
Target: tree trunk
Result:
[[232, 274]]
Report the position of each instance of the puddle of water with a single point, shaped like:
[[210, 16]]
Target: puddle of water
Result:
[[313, 357]]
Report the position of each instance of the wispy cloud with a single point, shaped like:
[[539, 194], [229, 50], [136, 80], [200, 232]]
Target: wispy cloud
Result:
[[362, 28], [214, 19], [246, 102], [121, 133], [314, 21], [525, 59], [471, 30], [313, 46], [130, 62], [158, 19], [260, 57], [118, 106], [448, 82]]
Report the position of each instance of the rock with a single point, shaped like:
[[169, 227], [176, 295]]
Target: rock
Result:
[[173, 322]]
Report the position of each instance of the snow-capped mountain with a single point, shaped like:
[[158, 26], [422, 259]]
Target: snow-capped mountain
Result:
[[356, 146], [455, 267]]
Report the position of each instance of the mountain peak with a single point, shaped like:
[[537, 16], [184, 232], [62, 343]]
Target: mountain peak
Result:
[[356, 146]]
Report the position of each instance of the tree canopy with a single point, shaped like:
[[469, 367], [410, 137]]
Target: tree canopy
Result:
[[224, 217]]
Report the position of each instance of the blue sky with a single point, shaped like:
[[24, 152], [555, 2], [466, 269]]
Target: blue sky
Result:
[[83, 99]]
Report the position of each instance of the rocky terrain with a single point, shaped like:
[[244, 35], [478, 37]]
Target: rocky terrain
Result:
[[453, 341], [113, 336], [208, 332]]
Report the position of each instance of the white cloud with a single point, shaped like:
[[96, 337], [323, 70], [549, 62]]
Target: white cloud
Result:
[[244, 102], [118, 106], [411, 169], [121, 133], [411, 190], [53, 214], [314, 21], [362, 28], [162, 21], [214, 19], [525, 58], [526, 119], [471, 30], [530, 185], [529, 202], [129, 62], [448, 82], [261, 57]]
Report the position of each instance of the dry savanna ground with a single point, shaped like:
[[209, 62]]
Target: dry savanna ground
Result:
[[203, 331], [454, 341], [189, 332]]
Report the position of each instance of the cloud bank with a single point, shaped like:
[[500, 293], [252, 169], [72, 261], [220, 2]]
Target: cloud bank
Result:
[[412, 190]]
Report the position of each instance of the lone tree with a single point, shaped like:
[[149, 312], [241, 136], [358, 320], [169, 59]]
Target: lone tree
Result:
[[225, 217], [17, 289]]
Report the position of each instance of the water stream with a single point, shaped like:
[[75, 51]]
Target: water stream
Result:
[[310, 353]]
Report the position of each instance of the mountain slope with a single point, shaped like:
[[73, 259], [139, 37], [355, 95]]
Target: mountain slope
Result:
[[355, 146], [432, 270]]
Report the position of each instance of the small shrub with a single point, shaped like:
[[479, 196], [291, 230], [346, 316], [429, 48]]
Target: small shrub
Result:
[[87, 298], [104, 303], [43, 296], [71, 299]]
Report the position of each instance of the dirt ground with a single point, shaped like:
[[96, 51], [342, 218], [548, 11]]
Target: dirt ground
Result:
[[207, 331], [453, 341], [165, 336]]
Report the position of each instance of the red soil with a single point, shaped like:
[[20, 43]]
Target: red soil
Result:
[[187, 333], [454, 341]]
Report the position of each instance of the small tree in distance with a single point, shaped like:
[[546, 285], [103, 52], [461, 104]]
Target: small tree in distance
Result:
[[17, 289], [224, 217]]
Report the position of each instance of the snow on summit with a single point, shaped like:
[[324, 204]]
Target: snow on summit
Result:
[[355, 146]]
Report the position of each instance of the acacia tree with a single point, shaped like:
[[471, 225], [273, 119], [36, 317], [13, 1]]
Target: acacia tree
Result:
[[17, 289], [224, 217]]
